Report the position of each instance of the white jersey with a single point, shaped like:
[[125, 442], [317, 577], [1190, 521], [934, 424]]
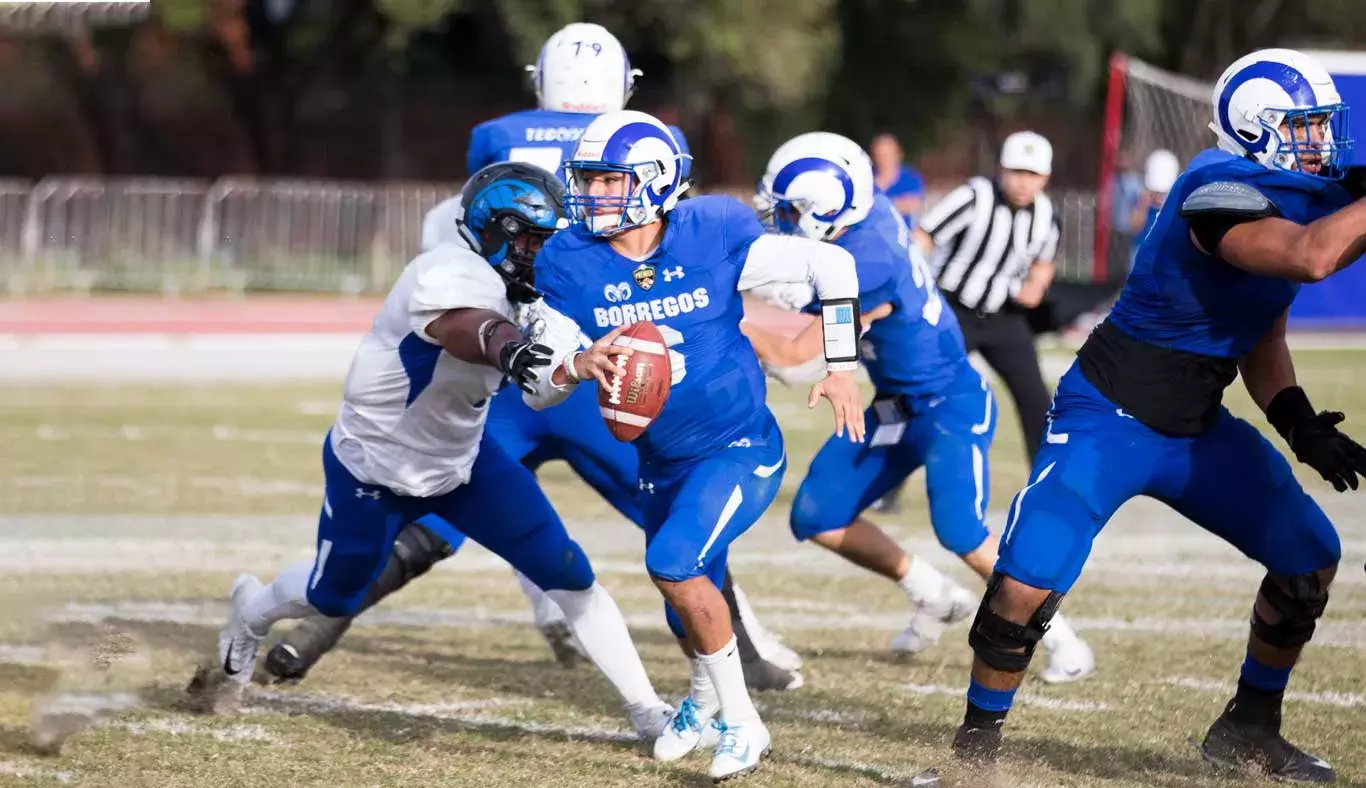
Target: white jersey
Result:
[[412, 415]]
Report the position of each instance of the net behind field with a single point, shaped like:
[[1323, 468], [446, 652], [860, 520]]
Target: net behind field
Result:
[[1164, 110]]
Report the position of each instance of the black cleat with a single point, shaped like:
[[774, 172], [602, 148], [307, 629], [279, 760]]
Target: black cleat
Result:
[[297, 652], [1234, 745], [977, 745], [762, 675]]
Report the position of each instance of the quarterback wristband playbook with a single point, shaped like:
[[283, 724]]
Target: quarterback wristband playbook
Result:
[[1289, 409], [840, 325]]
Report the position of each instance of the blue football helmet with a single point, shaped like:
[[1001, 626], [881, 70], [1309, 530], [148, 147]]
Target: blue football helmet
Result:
[[510, 209]]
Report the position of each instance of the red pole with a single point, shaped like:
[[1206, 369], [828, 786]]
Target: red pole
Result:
[[1109, 152]]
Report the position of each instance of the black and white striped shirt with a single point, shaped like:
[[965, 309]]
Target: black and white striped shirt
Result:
[[983, 246]]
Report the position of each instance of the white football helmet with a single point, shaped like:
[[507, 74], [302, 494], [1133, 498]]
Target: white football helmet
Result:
[[1160, 171], [816, 184], [638, 146], [1269, 87], [583, 68]]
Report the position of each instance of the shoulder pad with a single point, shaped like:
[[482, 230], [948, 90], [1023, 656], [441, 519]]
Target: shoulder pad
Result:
[[1228, 198]]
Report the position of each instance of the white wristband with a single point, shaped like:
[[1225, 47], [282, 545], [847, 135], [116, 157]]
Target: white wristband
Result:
[[569, 370], [841, 366]]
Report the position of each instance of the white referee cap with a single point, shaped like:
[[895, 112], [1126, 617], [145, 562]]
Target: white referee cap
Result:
[[1026, 150], [1160, 171]]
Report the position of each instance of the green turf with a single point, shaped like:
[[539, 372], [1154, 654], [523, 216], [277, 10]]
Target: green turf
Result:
[[128, 515]]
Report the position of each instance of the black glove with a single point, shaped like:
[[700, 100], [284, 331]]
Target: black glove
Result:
[[1315, 439], [519, 359]]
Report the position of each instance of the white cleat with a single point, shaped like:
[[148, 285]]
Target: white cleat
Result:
[[651, 721], [687, 729], [930, 620], [237, 644], [740, 749], [1071, 661]]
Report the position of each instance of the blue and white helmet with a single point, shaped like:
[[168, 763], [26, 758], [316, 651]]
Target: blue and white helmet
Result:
[[583, 68], [637, 145], [816, 184], [1269, 87]]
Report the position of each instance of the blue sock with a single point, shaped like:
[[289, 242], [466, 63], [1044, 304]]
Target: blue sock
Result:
[[998, 701], [1265, 678]]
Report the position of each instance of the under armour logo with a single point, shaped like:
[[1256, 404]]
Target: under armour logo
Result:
[[617, 292], [1120, 413], [646, 486], [361, 492], [671, 274], [743, 443]]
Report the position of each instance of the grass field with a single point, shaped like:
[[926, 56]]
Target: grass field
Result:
[[128, 511]]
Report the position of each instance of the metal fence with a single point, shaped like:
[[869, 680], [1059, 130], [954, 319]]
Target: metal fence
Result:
[[240, 234]]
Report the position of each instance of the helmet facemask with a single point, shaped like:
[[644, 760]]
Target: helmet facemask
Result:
[[624, 207], [1313, 141], [511, 244]]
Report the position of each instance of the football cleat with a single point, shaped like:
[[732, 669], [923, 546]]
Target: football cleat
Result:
[[740, 750], [688, 729], [237, 644], [1235, 745]]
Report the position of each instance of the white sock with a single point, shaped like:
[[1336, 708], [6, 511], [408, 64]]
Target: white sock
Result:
[[702, 691], [597, 623], [543, 608], [923, 583], [285, 597], [1059, 633], [728, 677]]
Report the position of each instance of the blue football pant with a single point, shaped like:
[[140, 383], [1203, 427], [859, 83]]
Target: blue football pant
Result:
[[1228, 480], [694, 512], [501, 507], [950, 436]]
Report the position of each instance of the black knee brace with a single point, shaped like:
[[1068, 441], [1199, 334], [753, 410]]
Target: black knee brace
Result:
[[1299, 609], [416, 550], [1005, 645]]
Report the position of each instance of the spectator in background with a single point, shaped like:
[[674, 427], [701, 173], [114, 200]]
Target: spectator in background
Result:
[[895, 178], [1126, 213], [1160, 172]]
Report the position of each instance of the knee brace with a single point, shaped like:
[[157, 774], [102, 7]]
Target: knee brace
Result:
[[1004, 645], [416, 550], [1299, 609]]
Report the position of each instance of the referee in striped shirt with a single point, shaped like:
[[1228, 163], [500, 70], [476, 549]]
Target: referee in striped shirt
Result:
[[992, 244]]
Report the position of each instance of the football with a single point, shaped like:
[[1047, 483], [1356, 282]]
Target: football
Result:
[[640, 386]]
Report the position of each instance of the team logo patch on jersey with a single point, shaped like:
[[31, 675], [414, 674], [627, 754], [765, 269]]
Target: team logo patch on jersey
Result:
[[616, 293], [644, 276]]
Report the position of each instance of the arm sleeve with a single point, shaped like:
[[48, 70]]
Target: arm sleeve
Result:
[[950, 215], [563, 336], [451, 279], [786, 259]]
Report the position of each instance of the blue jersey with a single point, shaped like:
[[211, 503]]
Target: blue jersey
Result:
[[686, 287], [535, 136], [1181, 298], [918, 349]]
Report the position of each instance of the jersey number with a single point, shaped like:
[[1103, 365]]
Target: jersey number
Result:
[[920, 272], [547, 157]]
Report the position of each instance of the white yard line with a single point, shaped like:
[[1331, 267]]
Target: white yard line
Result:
[[1023, 698], [1346, 700]]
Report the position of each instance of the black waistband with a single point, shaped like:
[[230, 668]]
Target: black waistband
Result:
[[1170, 391]]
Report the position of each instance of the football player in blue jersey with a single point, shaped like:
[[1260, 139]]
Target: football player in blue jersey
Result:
[[931, 407], [582, 71], [713, 459], [1140, 413]]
